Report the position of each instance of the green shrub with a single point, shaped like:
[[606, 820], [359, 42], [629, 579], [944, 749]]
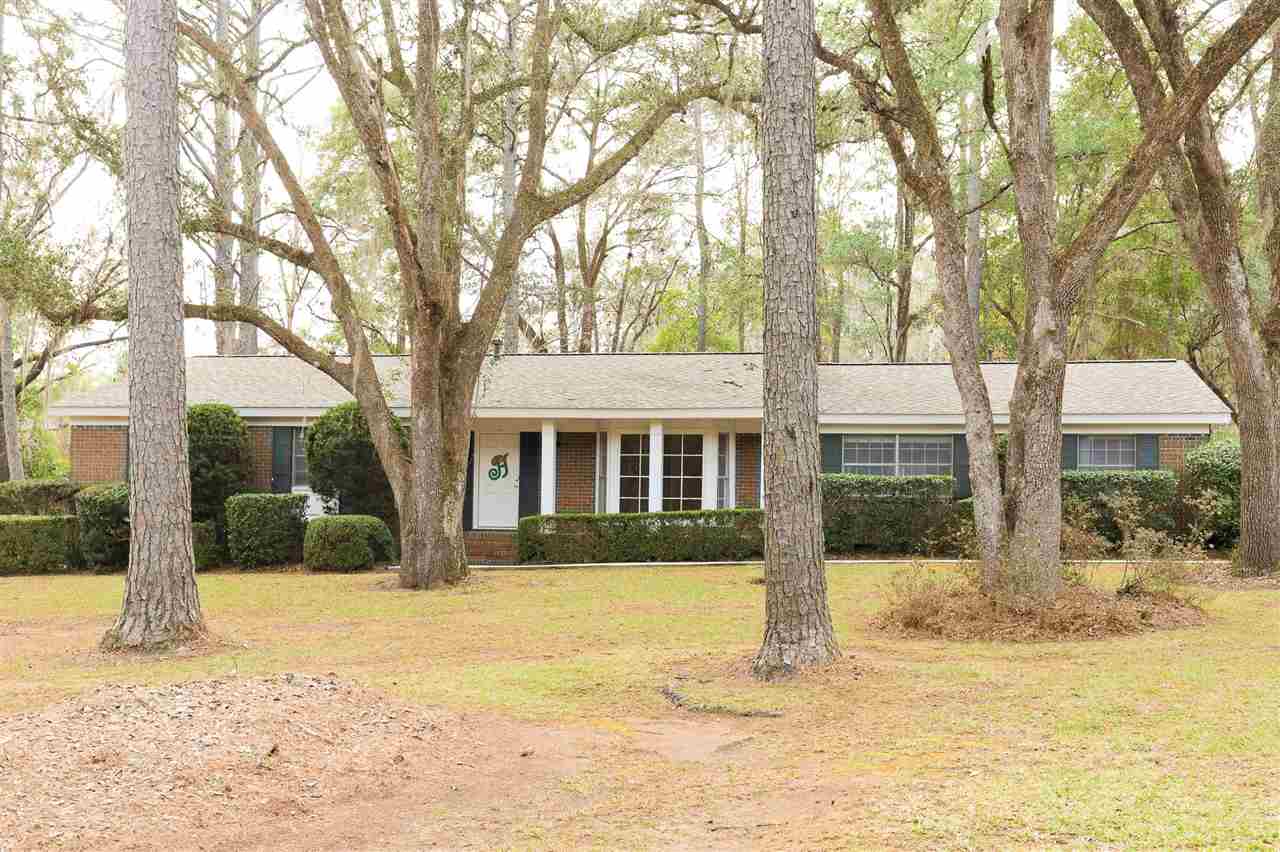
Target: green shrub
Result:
[[342, 464], [707, 536], [886, 514], [1212, 471], [265, 529], [103, 514], [219, 452], [36, 544], [346, 543], [204, 544], [38, 497], [1154, 490]]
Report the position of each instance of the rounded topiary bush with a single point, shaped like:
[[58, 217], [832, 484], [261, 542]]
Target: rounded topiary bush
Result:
[[1212, 476], [343, 465], [346, 543], [265, 529], [219, 452]]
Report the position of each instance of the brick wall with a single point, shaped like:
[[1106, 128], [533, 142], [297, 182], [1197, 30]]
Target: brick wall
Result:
[[98, 453], [260, 458], [1173, 449], [490, 546], [575, 472], [748, 462]]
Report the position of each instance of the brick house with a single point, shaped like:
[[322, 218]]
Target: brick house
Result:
[[585, 433]]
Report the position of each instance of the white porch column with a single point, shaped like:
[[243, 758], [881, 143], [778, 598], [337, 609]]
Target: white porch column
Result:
[[710, 468], [732, 455], [655, 466], [547, 504]]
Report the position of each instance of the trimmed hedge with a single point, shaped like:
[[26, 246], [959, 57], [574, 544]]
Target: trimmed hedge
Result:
[[36, 544], [204, 544], [886, 514], [1215, 467], [103, 513], [1155, 490], [346, 543], [265, 529], [38, 497], [707, 536]]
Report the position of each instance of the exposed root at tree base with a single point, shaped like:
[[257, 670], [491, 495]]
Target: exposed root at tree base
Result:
[[113, 642], [960, 612]]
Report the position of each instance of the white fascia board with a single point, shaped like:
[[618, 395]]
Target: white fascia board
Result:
[[646, 414]]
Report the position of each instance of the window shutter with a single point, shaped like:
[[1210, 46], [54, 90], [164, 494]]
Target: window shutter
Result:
[[282, 459], [468, 501], [960, 467], [530, 500], [1070, 452], [832, 453], [1148, 452]]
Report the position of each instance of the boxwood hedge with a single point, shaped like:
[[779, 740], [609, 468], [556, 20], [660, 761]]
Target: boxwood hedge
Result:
[[1155, 491], [36, 544], [707, 536], [884, 514], [1215, 467], [103, 514], [38, 497], [265, 529], [346, 543]]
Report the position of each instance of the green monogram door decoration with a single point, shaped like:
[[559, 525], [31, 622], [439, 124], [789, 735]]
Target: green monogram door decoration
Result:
[[498, 467]]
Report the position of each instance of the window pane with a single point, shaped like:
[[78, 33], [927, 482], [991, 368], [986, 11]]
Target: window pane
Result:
[[670, 504], [693, 466], [670, 464], [630, 487], [693, 445], [631, 444], [631, 465], [1118, 452], [924, 456]]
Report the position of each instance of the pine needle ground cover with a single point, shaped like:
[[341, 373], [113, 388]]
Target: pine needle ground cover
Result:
[[613, 707]]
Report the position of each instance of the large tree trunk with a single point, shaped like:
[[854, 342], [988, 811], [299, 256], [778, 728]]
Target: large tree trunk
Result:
[[223, 189], [161, 601], [798, 630], [1034, 471], [251, 189], [974, 249]]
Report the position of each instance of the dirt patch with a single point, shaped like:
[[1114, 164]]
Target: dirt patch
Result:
[[935, 607], [292, 761]]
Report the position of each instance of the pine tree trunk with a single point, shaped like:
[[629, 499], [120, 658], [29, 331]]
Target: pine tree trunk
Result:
[[700, 223], [511, 310], [798, 631], [905, 251], [161, 601]]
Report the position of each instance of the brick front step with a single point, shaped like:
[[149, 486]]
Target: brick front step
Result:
[[497, 546]]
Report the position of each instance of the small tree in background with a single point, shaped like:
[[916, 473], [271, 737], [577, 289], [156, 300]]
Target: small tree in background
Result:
[[343, 464], [219, 455]]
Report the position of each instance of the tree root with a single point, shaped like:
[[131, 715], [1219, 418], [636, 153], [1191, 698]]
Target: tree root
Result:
[[682, 701]]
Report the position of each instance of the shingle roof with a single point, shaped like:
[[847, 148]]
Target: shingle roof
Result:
[[669, 382]]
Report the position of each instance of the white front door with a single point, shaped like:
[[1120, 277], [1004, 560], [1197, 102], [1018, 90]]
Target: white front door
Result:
[[497, 473]]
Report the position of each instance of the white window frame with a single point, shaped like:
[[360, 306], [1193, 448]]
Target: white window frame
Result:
[[644, 477], [848, 438], [1081, 441], [298, 443], [697, 502]]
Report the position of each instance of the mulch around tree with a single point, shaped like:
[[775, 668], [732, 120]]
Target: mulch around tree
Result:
[[164, 767]]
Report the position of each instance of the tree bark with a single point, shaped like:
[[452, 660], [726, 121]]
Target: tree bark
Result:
[[511, 311], [974, 248], [700, 223], [161, 601], [223, 190], [8, 390], [904, 264], [798, 631], [251, 189]]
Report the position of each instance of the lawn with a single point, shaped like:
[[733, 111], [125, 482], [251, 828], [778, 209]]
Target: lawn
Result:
[[1168, 739]]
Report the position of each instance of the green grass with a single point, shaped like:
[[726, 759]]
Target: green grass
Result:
[[1161, 740]]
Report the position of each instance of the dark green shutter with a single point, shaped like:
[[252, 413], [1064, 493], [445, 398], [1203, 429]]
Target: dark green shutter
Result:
[[282, 459], [1070, 452], [832, 453], [468, 501], [530, 501], [1148, 452], [960, 466]]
